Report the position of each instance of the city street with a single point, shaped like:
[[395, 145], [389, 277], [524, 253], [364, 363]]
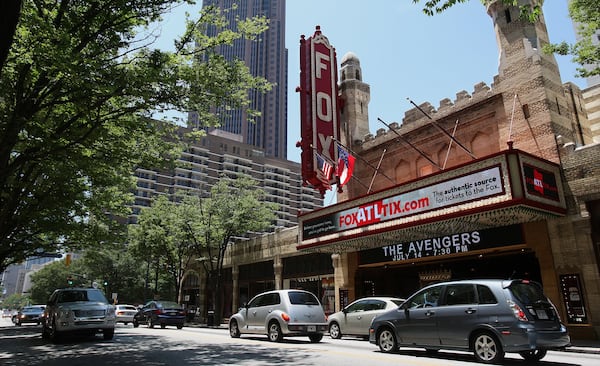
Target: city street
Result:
[[204, 346]]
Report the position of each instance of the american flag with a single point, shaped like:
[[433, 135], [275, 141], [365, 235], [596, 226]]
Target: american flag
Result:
[[324, 167]]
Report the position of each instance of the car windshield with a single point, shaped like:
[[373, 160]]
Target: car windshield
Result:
[[302, 298], [81, 295], [527, 292]]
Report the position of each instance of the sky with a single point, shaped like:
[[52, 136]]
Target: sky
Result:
[[403, 53]]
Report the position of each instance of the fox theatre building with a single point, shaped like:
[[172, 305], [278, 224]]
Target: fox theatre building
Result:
[[488, 185]]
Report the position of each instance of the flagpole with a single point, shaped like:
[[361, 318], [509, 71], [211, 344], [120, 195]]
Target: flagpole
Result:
[[450, 145], [410, 144], [376, 170], [361, 158], [441, 129]]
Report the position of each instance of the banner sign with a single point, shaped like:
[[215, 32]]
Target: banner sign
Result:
[[475, 186], [444, 245], [319, 112]]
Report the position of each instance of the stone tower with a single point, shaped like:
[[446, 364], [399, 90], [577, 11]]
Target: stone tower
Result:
[[355, 95], [536, 106]]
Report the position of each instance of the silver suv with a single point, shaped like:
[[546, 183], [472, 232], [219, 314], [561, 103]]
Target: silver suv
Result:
[[78, 310], [487, 317], [281, 313]]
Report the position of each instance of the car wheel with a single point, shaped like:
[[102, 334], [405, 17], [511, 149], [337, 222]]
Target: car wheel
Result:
[[315, 338], [108, 334], [334, 331], [234, 330], [386, 340], [18, 323], [150, 323], [54, 334], [487, 349], [45, 332], [275, 334], [533, 355], [179, 326]]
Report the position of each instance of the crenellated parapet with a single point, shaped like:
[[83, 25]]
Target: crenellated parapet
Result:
[[415, 118]]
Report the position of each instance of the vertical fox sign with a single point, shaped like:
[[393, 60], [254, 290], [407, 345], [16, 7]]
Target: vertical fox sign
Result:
[[319, 112]]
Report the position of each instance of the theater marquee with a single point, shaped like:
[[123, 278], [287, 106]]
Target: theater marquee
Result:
[[510, 187]]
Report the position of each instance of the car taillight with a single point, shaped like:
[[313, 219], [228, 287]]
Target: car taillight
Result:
[[517, 311], [157, 311], [285, 317]]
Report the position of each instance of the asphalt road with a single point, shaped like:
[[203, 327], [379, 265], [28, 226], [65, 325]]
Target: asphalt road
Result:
[[206, 346]]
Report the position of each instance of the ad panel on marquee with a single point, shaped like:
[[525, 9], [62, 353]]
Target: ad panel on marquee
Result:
[[474, 186]]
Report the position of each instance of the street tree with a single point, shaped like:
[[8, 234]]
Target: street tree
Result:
[[191, 231], [79, 91], [235, 207], [157, 240], [55, 275], [586, 51], [115, 271], [16, 301]]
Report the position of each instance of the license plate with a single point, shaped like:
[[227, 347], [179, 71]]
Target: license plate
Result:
[[312, 328], [541, 314]]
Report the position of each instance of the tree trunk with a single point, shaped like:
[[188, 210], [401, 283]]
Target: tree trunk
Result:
[[10, 11]]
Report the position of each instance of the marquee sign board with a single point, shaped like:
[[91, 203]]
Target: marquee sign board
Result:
[[319, 110], [509, 187], [444, 245]]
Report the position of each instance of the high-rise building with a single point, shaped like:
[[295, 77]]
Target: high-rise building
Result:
[[266, 57], [219, 153]]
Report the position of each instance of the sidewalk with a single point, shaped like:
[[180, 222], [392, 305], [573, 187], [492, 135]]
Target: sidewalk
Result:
[[584, 346]]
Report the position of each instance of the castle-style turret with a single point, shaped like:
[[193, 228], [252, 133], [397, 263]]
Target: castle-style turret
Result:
[[529, 75], [355, 95]]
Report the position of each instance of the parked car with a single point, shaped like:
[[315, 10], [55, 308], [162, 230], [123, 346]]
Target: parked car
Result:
[[356, 318], [487, 317], [125, 313], [29, 314], [281, 313], [160, 312], [78, 310]]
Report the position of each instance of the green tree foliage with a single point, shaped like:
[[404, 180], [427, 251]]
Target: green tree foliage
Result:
[[432, 7], [78, 89], [16, 301], [116, 272], [54, 275], [114, 266], [193, 233], [586, 13], [158, 241]]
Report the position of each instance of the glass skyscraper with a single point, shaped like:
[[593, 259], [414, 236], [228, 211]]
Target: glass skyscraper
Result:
[[266, 57]]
